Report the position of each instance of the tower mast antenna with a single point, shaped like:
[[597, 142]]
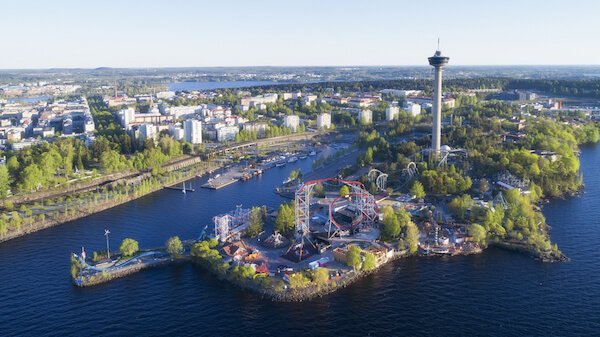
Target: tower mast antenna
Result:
[[438, 44]]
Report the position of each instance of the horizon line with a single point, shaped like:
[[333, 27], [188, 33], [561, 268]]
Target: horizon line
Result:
[[301, 66]]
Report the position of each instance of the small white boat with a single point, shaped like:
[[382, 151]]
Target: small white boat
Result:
[[293, 159], [312, 153]]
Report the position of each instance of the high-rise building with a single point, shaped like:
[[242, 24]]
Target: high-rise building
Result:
[[391, 112], [438, 62], [227, 133], [192, 130], [147, 131], [413, 108], [324, 121], [365, 117], [291, 122]]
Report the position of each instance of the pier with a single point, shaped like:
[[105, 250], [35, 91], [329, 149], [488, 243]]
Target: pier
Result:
[[180, 188]]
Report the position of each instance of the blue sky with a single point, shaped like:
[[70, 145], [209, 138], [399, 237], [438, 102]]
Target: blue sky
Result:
[[128, 33]]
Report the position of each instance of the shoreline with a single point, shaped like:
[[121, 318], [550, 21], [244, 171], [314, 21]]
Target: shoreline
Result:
[[269, 290], [85, 211]]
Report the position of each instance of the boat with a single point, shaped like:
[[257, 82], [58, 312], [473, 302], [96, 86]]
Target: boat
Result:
[[303, 157], [280, 164], [312, 153], [293, 159]]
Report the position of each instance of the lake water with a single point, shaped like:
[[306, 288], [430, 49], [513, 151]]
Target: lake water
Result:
[[497, 293], [188, 86], [28, 100]]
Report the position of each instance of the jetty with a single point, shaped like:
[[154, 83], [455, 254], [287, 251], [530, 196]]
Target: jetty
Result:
[[232, 176], [181, 188]]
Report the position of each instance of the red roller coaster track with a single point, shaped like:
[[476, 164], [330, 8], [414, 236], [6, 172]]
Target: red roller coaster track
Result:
[[364, 201]]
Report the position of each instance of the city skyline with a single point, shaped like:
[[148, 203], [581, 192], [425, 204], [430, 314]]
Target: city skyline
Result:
[[68, 34]]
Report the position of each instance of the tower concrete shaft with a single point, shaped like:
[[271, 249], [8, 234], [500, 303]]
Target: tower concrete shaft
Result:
[[438, 62], [436, 133]]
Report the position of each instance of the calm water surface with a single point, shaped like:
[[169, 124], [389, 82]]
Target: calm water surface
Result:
[[181, 86], [498, 293]]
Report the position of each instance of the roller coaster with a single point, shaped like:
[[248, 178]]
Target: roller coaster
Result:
[[363, 202]]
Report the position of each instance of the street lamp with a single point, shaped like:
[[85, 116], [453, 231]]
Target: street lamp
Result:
[[106, 232]]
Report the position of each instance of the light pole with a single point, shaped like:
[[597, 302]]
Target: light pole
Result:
[[106, 232]]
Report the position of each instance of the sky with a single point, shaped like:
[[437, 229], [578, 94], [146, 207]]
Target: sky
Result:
[[177, 33]]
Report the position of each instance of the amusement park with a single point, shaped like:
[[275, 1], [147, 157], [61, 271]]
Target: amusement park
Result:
[[329, 215]]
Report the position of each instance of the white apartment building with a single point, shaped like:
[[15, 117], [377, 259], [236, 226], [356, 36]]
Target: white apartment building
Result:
[[127, 116], [291, 95], [165, 94], [259, 127], [148, 131], [291, 122], [365, 117], [324, 121], [413, 108], [308, 99], [391, 112], [192, 131], [176, 132], [227, 133]]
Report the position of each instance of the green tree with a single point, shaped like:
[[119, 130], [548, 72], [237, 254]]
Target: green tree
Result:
[[353, 257], [391, 224], [4, 181], [370, 262], [459, 206], [32, 178], [344, 191], [256, 222], [15, 220], [174, 246], [319, 190], [417, 190], [295, 174], [478, 233], [412, 236], [484, 186], [286, 219], [320, 276], [3, 227], [128, 247], [298, 280]]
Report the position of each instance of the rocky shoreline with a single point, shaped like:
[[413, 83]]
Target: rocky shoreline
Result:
[[286, 294], [549, 256]]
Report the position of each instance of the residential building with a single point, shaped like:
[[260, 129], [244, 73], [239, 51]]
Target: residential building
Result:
[[176, 131], [365, 117], [401, 93], [148, 131], [308, 99], [291, 122], [192, 131], [165, 94], [413, 108], [259, 127], [324, 121], [227, 133], [391, 112]]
